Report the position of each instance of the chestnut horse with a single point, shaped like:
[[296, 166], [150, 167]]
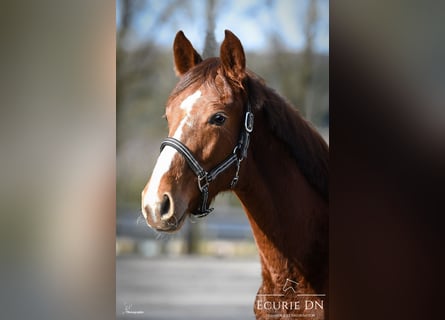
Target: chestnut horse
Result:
[[229, 131]]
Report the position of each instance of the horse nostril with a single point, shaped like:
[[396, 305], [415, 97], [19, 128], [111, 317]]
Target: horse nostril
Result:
[[165, 205]]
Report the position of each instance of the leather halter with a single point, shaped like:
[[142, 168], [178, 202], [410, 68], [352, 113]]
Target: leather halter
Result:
[[204, 178]]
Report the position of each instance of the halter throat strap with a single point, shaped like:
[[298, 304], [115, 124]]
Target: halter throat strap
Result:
[[204, 178]]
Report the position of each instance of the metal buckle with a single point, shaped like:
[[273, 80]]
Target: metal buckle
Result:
[[236, 177], [203, 178], [248, 122], [234, 182]]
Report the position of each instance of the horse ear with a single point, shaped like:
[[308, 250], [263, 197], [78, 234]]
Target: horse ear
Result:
[[232, 57], [185, 55]]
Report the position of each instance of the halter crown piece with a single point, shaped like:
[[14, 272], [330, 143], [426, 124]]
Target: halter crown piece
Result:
[[204, 178]]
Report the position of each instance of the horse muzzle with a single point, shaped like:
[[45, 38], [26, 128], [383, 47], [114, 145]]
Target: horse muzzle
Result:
[[163, 213]]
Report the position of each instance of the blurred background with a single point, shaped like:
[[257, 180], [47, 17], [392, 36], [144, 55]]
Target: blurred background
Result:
[[286, 43], [57, 164]]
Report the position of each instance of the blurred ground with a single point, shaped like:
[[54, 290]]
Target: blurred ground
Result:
[[226, 232], [186, 287]]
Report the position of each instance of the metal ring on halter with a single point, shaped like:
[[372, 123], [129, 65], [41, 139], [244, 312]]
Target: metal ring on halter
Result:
[[248, 122], [205, 178]]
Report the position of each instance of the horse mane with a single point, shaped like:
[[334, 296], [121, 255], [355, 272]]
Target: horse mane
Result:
[[305, 144]]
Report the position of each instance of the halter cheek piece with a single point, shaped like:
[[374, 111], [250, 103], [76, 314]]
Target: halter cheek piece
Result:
[[204, 178]]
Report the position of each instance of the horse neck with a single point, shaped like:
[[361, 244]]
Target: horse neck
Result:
[[288, 217]]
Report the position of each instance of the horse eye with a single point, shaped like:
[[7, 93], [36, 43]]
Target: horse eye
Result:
[[217, 119]]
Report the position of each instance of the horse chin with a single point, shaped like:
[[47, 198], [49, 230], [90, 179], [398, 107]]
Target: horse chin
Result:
[[172, 225]]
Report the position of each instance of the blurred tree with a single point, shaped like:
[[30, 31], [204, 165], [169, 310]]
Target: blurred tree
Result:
[[193, 236], [309, 30], [210, 46]]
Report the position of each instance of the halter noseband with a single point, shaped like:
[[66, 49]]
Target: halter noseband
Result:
[[204, 178]]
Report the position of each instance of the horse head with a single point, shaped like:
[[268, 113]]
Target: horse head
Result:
[[208, 125]]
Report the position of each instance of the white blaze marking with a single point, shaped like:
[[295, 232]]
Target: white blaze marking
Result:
[[166, 157], [187, 106]]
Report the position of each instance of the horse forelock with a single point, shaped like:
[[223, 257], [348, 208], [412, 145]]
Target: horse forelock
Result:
[[207, 72], [204, 72]]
